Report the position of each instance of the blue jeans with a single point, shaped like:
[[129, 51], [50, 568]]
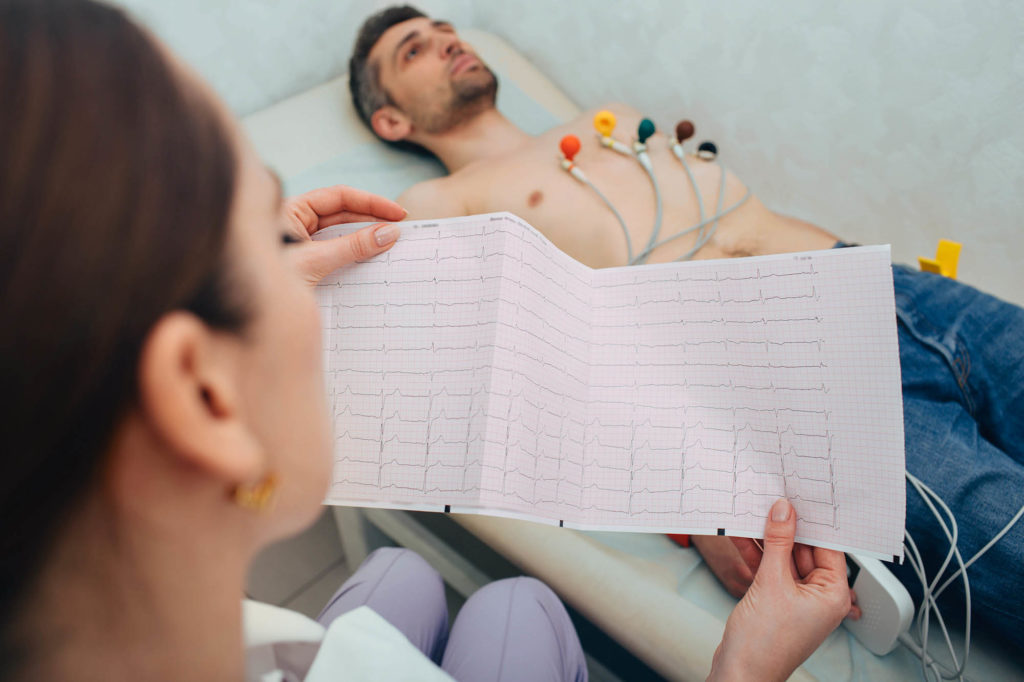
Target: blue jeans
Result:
[[962, 358]]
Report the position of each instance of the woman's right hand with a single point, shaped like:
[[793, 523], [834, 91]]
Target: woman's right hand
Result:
[[782, 618], [313, 211]]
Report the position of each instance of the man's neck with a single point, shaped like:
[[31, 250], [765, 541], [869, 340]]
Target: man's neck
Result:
[[486, 135]]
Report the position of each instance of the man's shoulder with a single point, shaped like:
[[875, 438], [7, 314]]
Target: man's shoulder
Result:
[[426, 187], [434, 198]]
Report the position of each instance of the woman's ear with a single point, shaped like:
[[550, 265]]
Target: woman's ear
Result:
[[191, 398], [391, 124]]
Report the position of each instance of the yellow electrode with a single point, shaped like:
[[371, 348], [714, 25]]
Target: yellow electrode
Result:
[[604, 122]]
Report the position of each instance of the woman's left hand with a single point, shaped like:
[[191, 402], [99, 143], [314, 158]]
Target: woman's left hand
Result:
[[320, 208], [783, 618]]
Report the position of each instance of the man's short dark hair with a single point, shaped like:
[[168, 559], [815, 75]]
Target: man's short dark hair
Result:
[[363, 77]]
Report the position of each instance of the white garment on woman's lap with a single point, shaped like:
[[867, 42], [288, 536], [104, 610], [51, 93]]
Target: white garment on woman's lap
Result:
[[285, 646]]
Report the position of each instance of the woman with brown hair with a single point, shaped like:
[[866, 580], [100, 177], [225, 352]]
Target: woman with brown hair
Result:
[[160, 354]]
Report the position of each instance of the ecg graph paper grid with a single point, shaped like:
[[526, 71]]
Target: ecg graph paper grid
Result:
[[476, 368]]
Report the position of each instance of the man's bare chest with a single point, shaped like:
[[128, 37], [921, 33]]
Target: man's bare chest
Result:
[[579, 218]]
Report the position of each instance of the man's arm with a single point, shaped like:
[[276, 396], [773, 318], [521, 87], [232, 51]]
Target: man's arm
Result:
[[726, 562], [432, 199]]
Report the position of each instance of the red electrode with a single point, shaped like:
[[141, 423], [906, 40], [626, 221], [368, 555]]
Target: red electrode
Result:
[[570, 146]]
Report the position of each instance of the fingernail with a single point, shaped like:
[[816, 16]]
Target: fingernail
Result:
[[780, 510], [385, 234]]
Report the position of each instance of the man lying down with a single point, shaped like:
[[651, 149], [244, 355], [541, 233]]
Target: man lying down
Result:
[[413, 81]]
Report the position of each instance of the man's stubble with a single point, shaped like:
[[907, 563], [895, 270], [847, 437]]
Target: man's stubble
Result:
[[466, 99]]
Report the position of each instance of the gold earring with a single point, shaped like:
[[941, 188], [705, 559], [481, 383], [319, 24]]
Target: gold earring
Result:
[[257, 496]]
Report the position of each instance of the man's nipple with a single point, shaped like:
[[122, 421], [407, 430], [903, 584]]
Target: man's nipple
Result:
[[536, 196]]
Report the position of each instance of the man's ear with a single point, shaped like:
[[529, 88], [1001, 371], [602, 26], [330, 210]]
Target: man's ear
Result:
[[190, 396], [391, 124]]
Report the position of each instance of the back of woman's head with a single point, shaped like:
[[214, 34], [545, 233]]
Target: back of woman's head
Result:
[[116, 178]]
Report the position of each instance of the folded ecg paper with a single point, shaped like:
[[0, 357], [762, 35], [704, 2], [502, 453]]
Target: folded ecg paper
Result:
[[476, 368]]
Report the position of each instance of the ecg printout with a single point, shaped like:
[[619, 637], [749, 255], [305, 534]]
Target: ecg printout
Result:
[[476, 368]]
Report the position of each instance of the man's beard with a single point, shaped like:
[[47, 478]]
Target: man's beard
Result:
[[468, 98]]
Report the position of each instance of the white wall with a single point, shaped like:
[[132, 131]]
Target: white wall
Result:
[[884, 121]]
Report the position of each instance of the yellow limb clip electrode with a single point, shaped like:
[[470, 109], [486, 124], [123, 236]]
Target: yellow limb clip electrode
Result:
[[947, 256]]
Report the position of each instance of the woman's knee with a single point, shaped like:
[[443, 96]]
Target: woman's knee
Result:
[[526, 587], [523, 599], [401, 587], [388, 578], [404, 564], [517, 619], [500, 593], [404, 572]]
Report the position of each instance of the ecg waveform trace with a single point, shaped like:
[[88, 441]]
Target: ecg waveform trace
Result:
[[475, 367]]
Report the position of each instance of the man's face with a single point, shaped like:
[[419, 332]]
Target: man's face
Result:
[[434, 78]]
